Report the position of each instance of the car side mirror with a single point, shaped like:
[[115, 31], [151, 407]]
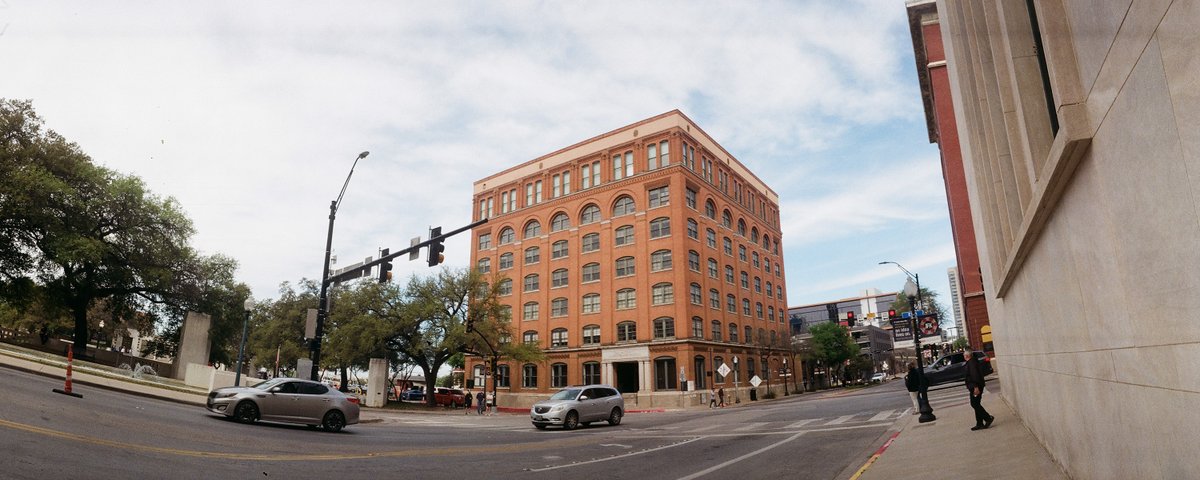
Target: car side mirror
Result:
[[583, 397], [276, 389]]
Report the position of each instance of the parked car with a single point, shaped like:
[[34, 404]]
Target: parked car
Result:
[[288, 400], [450, 397], [879, 377], [575, 406], [413, 394], [953, 367]]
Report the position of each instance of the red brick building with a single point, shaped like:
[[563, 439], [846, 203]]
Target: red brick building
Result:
[[939, 117], [645, 258]]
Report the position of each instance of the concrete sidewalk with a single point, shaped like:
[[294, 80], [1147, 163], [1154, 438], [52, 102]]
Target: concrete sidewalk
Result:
[[948, 448]]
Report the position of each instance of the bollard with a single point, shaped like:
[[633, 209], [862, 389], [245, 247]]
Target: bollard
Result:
[[67, 389]]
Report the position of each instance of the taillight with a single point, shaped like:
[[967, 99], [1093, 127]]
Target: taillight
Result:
[[353, 400]]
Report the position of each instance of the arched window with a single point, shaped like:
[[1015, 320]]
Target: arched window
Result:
[[558, 375], [754, 234], [591, 303], [623, 235], [664, 328], [530, 337], [505, 287], [530, 311], [558, 337], [627, 331], [591, 273], [660, 260], [533, 255], [560, 222], [532, 283], [693, 260], [591, 373], [590, 214], [558, 278], [660, 227], [693, 229], [699, 365], [716, 330], [506, 261], [591, 335], [741, 230], [662, 294], [726, 219], [717, 377], [591, 243], [558, 307], [664, 374], [623, 206], [626, 298], [749, 334], [694, 294], [507, 236], [710, 209], [625, 267], [697, 327], [558, 249], [528, 376], [733, 332], [532, 229]]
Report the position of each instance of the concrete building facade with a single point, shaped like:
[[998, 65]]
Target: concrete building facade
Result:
[[971, 317], [646, 258], [1079, 125]]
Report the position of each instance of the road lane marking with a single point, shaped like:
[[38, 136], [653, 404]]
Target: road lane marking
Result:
[[738, 459], [804, 422], [840, 420], [706, 427], [750, 426], [884, 415], [615, 457]]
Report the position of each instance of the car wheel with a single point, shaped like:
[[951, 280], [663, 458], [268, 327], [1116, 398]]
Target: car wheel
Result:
[[571, 421], [334, 421], [540, 426], [246, 412], [614, 418]]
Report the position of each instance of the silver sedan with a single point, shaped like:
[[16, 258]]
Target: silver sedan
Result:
[[289, 400]]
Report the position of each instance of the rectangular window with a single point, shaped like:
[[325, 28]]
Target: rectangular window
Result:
[[512, 200], [591, 243], [591, 335], [664, 152], [591, 373], [566, 182], [591, 303], [528, 377], [586, 180], [558, 307], [503, 202], [502, 376], [689, 196], [558, 338], [556, 186], [537, 191], [591, 273], [714, 299], [651, 156], [618, 165], [660, 196], [628, 164], [558, 278], [528, 194], [596, 173], [485, 241]]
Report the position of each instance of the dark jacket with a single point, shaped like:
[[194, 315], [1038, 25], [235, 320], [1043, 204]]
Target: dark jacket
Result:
[[974, 372], [912, 381]]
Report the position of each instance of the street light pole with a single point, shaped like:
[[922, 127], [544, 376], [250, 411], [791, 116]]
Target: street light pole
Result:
[[912, 288], [315, 345], [247, 306]]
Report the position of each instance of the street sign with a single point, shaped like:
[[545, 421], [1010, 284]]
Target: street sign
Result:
[[902, 330], [416, 252], [755, 381], [929, 326], [723, 370]]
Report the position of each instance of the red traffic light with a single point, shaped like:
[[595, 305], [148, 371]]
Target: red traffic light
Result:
[[850, 315], [891, 313]]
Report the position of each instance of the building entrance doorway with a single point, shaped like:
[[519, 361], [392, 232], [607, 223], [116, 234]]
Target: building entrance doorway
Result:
[[627, 376]]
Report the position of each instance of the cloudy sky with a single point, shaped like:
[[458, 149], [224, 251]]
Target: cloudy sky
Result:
[[251, 114]]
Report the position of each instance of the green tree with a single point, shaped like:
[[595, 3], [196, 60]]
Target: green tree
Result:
[[490, 336], [929, 303], [85, 234], [277, 326], [832, 345]]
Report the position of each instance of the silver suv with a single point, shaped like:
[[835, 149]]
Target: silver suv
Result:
[[574, 406]]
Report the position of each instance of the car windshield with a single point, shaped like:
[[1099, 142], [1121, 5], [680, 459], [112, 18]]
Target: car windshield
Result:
[[566, 394], [264, 386]]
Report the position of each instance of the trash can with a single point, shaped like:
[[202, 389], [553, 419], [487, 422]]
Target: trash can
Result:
[[753, 394]]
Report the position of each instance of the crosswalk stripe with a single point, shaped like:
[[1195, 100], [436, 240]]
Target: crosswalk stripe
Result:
[[884, 415], [706, 427], [804, 422], [750, 426], [840, 420]]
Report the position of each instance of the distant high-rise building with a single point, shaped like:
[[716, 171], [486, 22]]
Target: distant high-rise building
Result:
[[647, 257], [956, 301]]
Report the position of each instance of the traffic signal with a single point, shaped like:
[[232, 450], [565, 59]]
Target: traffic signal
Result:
[[436, 248], [850, 318], [892, 313], [470, 322], [385, 268]]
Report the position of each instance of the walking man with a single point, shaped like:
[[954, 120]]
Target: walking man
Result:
[[467, 403], [975, 385], [481, 398]]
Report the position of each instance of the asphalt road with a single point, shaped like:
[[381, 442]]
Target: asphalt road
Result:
[[109, 434]]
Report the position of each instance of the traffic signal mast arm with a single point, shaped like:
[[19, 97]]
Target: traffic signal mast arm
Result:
[[352, 274]]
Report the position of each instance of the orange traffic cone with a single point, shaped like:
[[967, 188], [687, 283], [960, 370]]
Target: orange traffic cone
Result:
[[67, 389]]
